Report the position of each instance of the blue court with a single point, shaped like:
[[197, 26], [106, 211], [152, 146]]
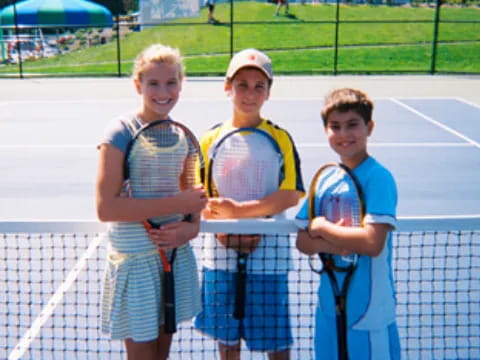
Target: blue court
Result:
[[48, 138], [427, 133]]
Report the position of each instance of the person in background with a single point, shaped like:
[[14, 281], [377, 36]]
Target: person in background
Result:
[[281, 3], [211, 9]]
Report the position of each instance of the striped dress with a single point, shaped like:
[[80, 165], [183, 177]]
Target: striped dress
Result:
[[132, 301], [132, 305]]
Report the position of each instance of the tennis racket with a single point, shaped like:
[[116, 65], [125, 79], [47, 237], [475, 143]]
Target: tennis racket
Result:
[[245, 164], [336, 194], [161, 160]]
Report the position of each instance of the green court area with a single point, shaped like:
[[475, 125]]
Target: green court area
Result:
[[311, 39]]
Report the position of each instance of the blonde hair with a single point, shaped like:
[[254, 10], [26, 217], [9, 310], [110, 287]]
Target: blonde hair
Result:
[[347, 99], [157, 53]]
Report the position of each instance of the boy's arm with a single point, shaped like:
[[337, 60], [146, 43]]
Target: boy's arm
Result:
[[290, 192], [310, 245], [367, 240], [226, 208], [380, 196], [243, 243]]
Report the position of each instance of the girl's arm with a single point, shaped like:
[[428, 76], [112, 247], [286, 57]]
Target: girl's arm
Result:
[[111, 206], [176, 234], [226, 208], [367, 240]]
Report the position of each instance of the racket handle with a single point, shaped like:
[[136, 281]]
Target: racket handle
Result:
[[342, 329], [240, 287], [170, 325]]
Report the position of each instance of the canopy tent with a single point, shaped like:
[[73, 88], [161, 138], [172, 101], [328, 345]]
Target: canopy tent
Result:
[[56, 12]]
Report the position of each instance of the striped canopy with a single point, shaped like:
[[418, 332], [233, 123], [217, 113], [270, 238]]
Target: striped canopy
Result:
[[56, 12]]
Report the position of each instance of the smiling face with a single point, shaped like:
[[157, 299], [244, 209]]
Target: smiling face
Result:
[[249, 89], [347, 134], [160, 85]]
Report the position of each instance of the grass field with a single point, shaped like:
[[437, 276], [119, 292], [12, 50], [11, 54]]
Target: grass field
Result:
[[371, 39]]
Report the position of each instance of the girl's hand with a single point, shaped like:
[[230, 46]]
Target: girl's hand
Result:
[[170, 236], [193, 200]]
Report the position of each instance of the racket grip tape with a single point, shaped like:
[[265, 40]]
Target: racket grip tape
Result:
[[342, 329], [240, 287], [170, 325]]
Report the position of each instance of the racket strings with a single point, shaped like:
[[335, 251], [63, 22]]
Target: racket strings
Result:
[[336, 197], [156, 162], [340, 202], [245, 167]]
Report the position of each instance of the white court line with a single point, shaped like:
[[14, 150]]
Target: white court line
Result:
[[299, 145], [219, 99], [78, 101], [47, 146], [424, 97], [47, 311], [439, 124], [424, 144], [468, 102]]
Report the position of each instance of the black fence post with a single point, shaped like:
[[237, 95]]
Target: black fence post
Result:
[[17, 36], [119, 59], [335, 50], [231, 28], [433, 63]]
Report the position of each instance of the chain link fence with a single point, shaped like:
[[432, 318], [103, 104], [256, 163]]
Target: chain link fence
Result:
[[312, 38]]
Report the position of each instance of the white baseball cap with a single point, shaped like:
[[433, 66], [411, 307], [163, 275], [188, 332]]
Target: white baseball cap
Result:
[[250, 58]]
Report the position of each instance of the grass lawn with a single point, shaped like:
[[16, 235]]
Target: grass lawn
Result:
[[302, 43]]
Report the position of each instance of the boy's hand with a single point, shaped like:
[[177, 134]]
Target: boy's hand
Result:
[[193, 200], [319, 222], [316, 224], [242, 243], [311, 245], [222, 208]]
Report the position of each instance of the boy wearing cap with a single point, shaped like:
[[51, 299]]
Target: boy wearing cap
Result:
[[266, 325]]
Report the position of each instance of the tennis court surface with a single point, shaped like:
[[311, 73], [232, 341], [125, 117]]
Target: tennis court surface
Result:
[[427, 132]]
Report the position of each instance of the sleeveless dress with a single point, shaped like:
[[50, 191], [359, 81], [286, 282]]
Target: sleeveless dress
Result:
[[132, 300]]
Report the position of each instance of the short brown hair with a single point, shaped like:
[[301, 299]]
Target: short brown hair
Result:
[[347, 99]]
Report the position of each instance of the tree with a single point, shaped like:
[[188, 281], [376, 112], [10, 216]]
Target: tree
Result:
[[131, 5], [4, 3], [116, 7]]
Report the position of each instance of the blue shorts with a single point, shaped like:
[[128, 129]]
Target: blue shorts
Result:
[[266, 326], [362, 344]]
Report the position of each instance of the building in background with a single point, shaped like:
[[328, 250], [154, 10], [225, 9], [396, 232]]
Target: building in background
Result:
[[156, 11]]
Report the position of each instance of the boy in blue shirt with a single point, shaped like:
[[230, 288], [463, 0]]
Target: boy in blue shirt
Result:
[[370, 305]]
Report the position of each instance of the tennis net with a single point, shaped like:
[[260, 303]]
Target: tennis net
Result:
[[52, 279]]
